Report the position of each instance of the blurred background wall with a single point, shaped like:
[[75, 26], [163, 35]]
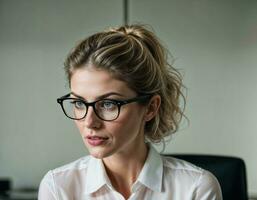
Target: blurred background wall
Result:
[[214, 44]]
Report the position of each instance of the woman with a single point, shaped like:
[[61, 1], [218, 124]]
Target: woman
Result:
[[124, 95]]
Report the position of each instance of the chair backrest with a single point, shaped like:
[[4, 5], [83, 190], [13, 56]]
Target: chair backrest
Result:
[[230, 172]]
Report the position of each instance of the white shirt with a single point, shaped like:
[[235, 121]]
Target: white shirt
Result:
[[161, 178]]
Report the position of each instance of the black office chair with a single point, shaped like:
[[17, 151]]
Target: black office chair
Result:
[[230, 172]]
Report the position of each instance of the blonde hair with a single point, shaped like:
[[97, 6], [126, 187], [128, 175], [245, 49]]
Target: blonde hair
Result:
[[134, 54]]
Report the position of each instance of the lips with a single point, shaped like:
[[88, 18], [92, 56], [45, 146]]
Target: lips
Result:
[[96, 140]]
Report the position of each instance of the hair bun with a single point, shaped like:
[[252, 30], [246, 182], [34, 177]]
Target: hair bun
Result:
[[129, 30]]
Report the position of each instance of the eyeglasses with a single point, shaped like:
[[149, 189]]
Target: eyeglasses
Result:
[[105, 109]]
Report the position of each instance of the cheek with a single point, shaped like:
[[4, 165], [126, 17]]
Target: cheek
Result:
[[127, 123]]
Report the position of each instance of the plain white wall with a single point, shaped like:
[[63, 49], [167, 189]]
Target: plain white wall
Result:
[[215, 46], [35, 37], [214, 43]]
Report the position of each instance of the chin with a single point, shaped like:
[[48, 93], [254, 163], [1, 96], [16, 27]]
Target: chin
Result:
[[98, 154]]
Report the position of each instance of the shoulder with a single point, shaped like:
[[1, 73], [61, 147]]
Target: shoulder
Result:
[[181, 166], [181, 172], [63, 180], [187, 175], [70, 170]]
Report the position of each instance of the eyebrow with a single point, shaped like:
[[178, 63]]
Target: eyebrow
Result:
[[99, 97]]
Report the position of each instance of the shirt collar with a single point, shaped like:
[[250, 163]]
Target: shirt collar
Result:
[[152, 173], [96, 176]]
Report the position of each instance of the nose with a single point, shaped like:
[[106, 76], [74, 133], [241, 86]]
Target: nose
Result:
[[91, 120]]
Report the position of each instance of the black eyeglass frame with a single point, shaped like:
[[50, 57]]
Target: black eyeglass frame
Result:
[[119, 103]]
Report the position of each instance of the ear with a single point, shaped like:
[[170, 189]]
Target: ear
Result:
[[152, 107]]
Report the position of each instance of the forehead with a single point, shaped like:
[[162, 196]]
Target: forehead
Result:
[[91, 83]]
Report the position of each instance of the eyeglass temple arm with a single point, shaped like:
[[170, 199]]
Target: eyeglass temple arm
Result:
[[140, 98], [65, 96]]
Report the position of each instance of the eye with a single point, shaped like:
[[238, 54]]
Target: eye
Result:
[[78, 104], [107, 105]]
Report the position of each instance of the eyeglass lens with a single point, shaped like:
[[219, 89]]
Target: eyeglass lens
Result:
[[104, 109]]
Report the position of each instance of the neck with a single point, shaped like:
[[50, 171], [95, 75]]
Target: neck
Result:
[[123, 170]]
